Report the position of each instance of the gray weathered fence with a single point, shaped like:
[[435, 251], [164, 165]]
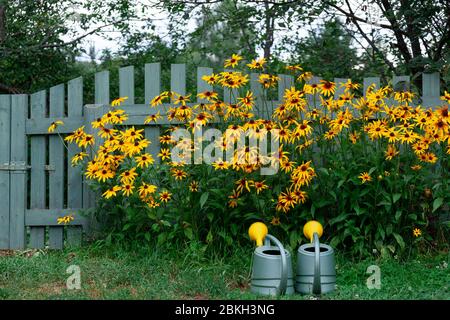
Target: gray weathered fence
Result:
[[38, 183]]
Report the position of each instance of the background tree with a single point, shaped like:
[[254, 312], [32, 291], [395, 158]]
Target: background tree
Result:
[[327, 51]]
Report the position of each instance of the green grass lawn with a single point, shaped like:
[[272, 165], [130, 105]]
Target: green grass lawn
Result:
[[141, 274]]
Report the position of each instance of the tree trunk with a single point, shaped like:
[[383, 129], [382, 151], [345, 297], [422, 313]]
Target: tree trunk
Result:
[[269, 24]]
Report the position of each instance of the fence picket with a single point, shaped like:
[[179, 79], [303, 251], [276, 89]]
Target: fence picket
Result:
[[258, 94], [152, 89], [126, 84], [38, 185], [56, 169], [178, 78], [18, 181], [74, 174], [431, 88], [202, 85], [5, 145], [152, 81], [285, 82]]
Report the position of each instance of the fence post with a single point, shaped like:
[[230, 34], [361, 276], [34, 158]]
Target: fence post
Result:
[[18, 182], [5, 145]]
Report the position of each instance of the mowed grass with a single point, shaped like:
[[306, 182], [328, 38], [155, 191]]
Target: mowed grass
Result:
[[189, 274]]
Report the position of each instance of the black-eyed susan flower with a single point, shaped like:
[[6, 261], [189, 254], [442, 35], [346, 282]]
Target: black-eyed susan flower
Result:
[[257, 63], [327, 88], [164, 154], [128, 176], [118, 101], [144, 160], [259, 186], [66, 219], [127, 189], [208, 95], [210, 79], [365, 177], [233, 61], [233, 202], [86, 140], [294, 68], [242, 184], [193, 186], [446, 97], [220, 165], [104, 174], [165, 196], [78, 157], [159, 99], [54, 125], [111, 192], [76, 135], [146, 189], [275, 221], [153, 118], [247, 101], [417, 232], [178, 174], [349, 85], [391, 152]]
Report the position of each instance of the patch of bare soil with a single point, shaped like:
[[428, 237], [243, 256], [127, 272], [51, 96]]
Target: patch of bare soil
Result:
[[7, 253]]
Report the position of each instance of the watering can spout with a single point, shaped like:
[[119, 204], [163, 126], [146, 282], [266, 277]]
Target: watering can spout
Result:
[[258, 232]]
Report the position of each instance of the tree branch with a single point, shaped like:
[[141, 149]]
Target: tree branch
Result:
[[370, 41]]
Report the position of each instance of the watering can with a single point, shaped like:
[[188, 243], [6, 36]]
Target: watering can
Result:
[[316, 268], [272, 265]]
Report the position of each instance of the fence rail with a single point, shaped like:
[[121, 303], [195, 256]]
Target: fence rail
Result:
[[38, 183]]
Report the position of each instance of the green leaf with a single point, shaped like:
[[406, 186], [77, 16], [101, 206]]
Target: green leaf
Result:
[[147, 236], [203, 199], [340, 183], [384, 203], [209, 237], [188, 233], [437, 203], [389, 229], [398, 214], [399, 240], [396, 197], [339, 218], [324, 170], [162, 238]]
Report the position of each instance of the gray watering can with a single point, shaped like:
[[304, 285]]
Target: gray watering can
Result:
[[316, 268], [272, 265]]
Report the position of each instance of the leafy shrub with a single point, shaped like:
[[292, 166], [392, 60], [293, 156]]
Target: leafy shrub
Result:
[[372, 169]]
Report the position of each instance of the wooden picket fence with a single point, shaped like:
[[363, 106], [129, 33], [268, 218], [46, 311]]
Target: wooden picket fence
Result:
[[38, 183]]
